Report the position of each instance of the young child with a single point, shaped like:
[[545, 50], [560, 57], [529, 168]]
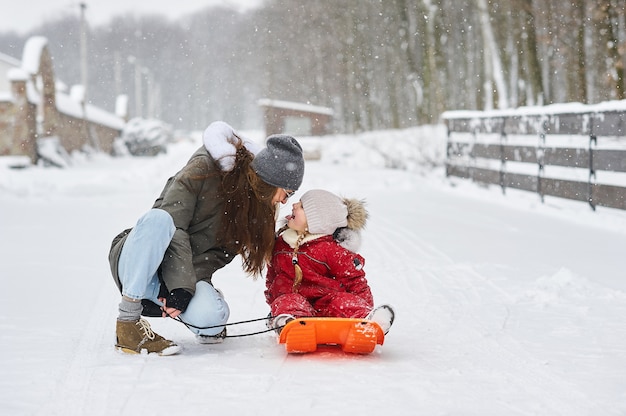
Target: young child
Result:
[[315, 268]]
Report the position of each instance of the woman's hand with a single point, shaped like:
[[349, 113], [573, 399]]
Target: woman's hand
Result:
[[167, 311], [175, 302]]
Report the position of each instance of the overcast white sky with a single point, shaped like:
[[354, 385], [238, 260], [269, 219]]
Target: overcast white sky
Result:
[[23, 15]]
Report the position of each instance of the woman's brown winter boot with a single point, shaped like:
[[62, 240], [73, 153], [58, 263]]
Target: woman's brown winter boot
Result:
[[134, 337]]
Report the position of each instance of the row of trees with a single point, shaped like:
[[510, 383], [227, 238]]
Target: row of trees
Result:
[[378, 64]]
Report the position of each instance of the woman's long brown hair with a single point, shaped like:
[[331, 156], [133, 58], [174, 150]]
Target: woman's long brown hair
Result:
[[249, 222]]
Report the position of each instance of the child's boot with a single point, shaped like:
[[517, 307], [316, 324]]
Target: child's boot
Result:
[[383, 316]]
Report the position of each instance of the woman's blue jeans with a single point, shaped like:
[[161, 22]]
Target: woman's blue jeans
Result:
[[139, 262]]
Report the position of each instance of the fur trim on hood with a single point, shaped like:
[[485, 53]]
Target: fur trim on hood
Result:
[[346, 237], [219, 140], [357, 214]]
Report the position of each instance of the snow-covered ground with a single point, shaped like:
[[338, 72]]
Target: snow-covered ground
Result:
[[505, 305]]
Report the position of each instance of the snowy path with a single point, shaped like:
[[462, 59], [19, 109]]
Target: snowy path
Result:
[[505, 306]]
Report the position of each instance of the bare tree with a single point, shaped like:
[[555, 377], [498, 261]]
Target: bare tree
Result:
[[606, 15], [378, 64], [531, 63], [494, 72], [579, 72]]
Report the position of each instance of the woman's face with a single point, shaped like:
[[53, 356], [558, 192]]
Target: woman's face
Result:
[[297, 220], [281, 195]]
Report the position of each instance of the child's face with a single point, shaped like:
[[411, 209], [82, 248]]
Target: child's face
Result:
[[297, 220]]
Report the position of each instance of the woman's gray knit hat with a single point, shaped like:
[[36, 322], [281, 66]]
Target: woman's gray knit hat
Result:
[[325, 212], [281, 163]]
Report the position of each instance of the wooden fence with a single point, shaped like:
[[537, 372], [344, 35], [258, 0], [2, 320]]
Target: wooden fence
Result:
[[578, 155]]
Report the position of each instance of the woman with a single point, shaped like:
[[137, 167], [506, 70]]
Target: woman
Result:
[[223, 203]]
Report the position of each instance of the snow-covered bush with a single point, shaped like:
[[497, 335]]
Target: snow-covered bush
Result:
[[146, 137]]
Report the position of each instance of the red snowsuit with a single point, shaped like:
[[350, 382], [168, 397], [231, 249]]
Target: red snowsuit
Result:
[[333, 280]]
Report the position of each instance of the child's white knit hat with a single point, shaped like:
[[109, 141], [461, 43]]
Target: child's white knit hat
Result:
[[325, 212]]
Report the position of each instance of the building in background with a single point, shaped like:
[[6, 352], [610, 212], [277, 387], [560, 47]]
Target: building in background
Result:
[[35, 109], [295, 118]]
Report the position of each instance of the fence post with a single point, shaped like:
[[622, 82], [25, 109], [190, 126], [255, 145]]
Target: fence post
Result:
[[502, 158], [593, 141], [472, 167], [448, 146], [541, 146]]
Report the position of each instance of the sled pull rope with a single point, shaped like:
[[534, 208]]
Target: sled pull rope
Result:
[[188, 325]]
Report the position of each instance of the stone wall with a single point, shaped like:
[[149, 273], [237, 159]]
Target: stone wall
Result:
[[6, 127], [75, 133]]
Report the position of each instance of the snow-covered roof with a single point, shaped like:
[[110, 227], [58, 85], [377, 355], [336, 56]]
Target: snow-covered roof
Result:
[[32, 54], [266, 102], [17, 74], [7, 64], [9, 60], [71, 107]]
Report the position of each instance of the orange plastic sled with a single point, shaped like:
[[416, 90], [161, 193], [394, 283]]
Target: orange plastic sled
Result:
[[358, 336]]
